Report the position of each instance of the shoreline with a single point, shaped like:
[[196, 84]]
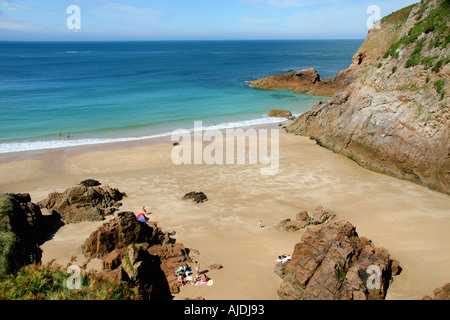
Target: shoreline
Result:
[[409, 220], [78, 149]]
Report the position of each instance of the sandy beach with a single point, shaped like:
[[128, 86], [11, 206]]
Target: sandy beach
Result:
[[409, 220]]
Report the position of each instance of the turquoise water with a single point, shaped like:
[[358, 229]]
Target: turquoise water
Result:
[[111, 91]]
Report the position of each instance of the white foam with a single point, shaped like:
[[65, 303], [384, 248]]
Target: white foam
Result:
[[54, 144]]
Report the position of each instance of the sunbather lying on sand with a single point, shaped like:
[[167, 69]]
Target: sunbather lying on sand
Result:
[[283, 258]]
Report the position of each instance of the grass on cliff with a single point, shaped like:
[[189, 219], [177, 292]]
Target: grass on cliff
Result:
[[399, 16], [437, 23], [47, 282], [439, 85]]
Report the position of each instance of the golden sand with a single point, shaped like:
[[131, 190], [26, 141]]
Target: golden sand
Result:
[[409, 220]]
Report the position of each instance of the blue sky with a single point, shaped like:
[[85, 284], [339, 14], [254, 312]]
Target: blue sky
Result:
[[190, 19]]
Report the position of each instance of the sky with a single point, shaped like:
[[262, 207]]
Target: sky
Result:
[[50, 20]]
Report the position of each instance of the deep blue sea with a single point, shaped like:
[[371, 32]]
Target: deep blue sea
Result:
[[101, 92]]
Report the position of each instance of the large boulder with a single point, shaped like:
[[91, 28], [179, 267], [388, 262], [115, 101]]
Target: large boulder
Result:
[[114, 241], [320, 215], [171, 256], [289, 225], [121, 232], [441, 293], [278, 113], [334, 263], [86, 202], [20, 232], [90, 183], [303, 219], [198, 197], [135, 266]]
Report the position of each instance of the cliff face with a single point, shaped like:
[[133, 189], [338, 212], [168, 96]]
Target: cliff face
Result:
[[394, 118]]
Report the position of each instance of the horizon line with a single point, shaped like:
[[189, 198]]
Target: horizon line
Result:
[[137, 40]]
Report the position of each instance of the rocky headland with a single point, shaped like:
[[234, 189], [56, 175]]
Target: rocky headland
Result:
[[390, 108]]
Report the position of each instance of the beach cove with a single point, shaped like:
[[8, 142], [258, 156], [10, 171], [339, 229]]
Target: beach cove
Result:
[[409, 220]]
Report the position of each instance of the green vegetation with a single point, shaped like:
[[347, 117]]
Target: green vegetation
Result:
[[37, 282], [409, 87], [436, 22], [398, 16], [419, 110], [428, 61], [394, 68], [379, 65], [437, 67], [439, 85]]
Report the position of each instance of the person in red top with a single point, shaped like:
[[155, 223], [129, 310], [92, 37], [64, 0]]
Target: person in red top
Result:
[[141, 216]]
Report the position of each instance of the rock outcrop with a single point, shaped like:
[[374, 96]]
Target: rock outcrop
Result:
[[86, 202], [395, 118], [278, 113], [21, 232], [197, 197], [121, 232], [135, 266], [441, 293], [302, 220], [308, 80], [299, 81], [111, 242], [334, 263]]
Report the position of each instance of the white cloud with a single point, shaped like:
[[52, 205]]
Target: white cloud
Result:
[[258, 20], [12, 6], [11, 25], [284, 4], [7, 22], [118, 11]]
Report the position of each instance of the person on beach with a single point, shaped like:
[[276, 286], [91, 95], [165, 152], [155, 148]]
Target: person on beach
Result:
[[204, 279], [195, 280], [142, 216], [59, 133], [260, 224], [182, 278], [197, 268]]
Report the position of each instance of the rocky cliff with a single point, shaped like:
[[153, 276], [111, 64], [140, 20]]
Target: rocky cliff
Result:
[[394, 118]]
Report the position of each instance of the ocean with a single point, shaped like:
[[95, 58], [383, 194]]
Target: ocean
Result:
[[100, 92]]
